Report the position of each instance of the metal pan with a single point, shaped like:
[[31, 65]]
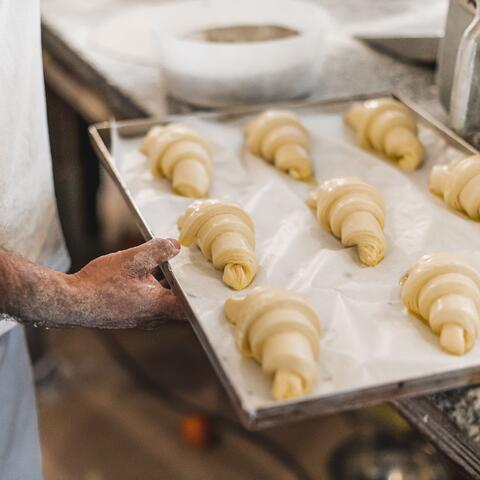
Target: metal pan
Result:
[[101, 138]]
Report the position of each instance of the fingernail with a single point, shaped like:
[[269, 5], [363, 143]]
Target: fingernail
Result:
[[174, 242]]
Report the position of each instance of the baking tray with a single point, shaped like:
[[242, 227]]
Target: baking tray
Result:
[[282, 412]]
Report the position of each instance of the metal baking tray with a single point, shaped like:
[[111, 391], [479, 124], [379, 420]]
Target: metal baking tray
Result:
[[101, 136]]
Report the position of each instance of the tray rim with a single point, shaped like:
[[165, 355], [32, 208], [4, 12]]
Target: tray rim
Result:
[[307, 407]]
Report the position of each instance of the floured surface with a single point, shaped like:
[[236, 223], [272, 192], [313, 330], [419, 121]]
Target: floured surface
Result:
[[368, 338]]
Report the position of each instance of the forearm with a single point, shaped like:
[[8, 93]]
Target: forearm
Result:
[[33, 294], [118, 290]]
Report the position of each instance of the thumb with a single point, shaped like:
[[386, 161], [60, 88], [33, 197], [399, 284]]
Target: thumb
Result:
[[148, 256]]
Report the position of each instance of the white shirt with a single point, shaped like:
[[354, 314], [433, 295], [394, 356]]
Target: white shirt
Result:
[[28, 216]]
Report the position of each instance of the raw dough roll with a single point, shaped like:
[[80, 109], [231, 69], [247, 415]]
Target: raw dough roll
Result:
[[459, 185], [226, 236], [444, 290], [279, 138], [181, 155], [353, 211], [387, 126], [281, 332]]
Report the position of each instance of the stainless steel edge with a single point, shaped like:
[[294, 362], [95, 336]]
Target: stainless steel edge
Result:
[[444, 131], [469, 7], [291, 411], [366, 396], [107, 161], [136, 127]]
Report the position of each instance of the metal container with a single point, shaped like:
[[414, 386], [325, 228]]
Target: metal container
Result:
[[460, 14]]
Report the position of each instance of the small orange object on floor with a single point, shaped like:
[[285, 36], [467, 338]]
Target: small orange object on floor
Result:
[[196, 431]]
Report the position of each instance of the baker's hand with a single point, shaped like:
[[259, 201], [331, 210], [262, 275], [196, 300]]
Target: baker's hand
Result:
[[120, 290]]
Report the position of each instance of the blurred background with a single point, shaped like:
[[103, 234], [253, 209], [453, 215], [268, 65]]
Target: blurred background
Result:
[[147, 405]]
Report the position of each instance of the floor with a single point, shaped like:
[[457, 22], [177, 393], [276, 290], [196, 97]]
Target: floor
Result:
[[102, 420]]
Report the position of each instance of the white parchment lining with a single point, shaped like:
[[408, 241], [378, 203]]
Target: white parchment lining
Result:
[[368, 337]]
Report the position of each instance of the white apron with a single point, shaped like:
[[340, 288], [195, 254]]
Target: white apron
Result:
[[28, 215], [28, 220]]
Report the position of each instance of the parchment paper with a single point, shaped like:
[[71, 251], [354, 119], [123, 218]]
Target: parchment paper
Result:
[[368, 337]]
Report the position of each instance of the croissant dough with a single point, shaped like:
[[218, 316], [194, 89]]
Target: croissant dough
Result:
[[353, 211], [444, 290], [459, 184], [225, 234], [181, 155], [281, 332], [387, 126], [279, 138]]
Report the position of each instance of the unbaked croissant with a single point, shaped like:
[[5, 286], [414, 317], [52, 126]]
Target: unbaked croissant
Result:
[[279, 138], [444, 290], [225, 234], [181, 155], [387, 126], [280, 330], [353, 211], [459, 184]]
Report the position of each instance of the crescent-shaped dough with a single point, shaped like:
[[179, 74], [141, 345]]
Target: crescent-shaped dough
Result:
[[280, 330], [225, 234], [279, 138], [459, 184], [444, 290], [353, 211], [181, 155], [387, 126]]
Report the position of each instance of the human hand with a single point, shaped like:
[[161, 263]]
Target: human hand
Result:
[[120, 290]]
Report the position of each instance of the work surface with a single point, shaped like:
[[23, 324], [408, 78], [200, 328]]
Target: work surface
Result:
[[451, 418]]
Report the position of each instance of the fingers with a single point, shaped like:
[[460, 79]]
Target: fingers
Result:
[[148, 256], [169, 306], [162, 249], [144, 260]]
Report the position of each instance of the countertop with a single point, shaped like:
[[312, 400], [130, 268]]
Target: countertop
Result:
[[450, 419]]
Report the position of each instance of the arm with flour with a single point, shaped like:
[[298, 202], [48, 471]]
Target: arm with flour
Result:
[[114, 291]]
